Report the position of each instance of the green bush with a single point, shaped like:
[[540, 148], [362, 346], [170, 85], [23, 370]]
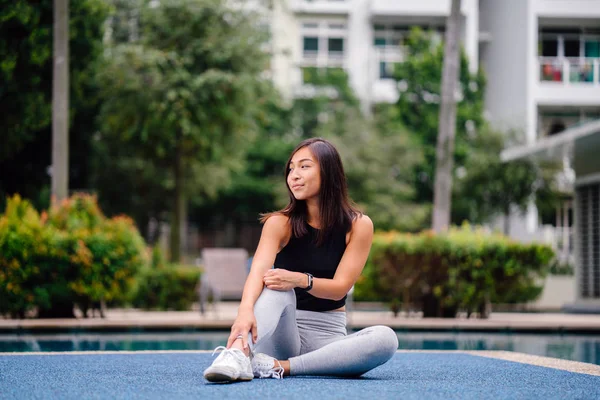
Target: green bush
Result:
[[69, 255], [463, 269], [166, 287]]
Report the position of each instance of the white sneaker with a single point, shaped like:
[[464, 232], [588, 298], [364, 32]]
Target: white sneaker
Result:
[[263, 366], [231, 365]]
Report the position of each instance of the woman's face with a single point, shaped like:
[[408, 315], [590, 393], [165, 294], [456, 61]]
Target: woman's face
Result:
[[304, 175]]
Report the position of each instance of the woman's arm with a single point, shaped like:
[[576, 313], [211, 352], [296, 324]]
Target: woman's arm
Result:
[[274, 233], [351, 265]]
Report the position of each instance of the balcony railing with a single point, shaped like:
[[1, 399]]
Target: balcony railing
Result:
[[323, 59], [576, 70], [394, 54]]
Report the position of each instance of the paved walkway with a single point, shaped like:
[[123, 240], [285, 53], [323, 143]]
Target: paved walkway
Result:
[[222, 316], [408, 375]]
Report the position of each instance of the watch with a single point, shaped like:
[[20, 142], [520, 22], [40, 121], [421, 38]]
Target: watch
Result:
[[310, 281]]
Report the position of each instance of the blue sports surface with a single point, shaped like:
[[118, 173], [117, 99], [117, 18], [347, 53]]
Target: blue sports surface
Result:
[[179, 375]]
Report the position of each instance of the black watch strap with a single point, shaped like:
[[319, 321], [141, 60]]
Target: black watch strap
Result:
[[310, 281]]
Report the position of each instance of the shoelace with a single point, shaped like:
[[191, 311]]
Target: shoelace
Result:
[[275, 372], [227, 352]]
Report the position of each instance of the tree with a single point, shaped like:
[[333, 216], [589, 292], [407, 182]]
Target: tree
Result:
[[379, 155], [26, 41], [418, 109], [497, 188], [442, 192], [183, 97], [60, 101]]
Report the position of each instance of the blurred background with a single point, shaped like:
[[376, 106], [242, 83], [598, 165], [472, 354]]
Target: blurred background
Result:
[[173, 120]]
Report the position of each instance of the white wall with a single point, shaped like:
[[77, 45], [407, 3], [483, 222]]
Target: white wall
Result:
[[285, 33], [567, 8], [506, 62], [360, 42]]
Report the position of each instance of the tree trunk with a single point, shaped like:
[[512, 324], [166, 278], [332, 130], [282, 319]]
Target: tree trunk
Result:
[[178, 206], [507, 221], [447, 123], [60, 101]]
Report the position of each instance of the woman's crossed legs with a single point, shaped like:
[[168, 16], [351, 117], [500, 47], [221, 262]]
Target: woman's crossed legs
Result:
[[315, 343]]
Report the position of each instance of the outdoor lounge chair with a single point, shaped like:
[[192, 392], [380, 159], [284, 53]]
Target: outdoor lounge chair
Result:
[[224, 274]]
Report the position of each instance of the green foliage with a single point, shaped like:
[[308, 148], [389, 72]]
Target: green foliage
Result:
[[483, 186], [163, 286], [419, 82], [26, 93], [69, 255], [184, 97], [490, 187], [379, 155], [464, 269]]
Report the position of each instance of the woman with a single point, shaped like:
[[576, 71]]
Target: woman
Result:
[[294, 314]]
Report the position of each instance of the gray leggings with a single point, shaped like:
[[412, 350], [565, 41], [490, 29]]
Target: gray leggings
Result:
[[316, 343]]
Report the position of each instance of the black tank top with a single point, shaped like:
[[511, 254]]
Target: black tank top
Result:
[[302, 255]]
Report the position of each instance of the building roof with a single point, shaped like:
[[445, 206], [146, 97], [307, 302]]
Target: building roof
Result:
[[572, 142]]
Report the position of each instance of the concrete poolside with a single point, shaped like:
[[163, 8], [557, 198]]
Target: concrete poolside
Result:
[[222, 316], [408, 375]]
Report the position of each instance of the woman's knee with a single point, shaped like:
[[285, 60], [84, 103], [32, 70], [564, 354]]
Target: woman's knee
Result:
[[387, 341], [269, 296]]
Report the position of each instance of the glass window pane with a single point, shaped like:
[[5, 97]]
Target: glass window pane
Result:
[[379, 42], [379, 27], [311, 44], [572, 47], [336, 44], [592, 48], [550, 48], [382, 72]]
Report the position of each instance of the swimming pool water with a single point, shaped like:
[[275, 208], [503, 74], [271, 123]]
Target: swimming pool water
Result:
[[584, 348]]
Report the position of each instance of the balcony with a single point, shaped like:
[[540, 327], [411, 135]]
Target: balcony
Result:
[[569, 70], [331, 7], [331, 59], [568, 81]]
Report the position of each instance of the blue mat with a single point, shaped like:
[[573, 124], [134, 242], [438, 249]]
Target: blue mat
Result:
[[179, 375]]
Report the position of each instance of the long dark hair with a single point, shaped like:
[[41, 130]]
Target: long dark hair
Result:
[[336, 210]]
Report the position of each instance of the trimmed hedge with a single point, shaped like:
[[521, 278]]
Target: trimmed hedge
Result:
[[70, 255], [168, 287], [464, 269]]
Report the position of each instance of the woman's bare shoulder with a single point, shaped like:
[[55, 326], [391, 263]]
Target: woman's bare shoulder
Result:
[[277, 222], [362, 224]]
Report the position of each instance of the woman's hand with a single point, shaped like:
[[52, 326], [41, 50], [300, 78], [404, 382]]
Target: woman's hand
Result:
[[283, 280], [244, 323]]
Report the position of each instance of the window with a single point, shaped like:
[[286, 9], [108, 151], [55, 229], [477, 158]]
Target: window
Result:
[[379, 42], [311, 44], [336, 45], [592, 48], [572, 47], [550, 47], [386, 70]]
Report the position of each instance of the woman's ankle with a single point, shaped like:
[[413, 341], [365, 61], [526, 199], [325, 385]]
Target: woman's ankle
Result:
[[238, 344]]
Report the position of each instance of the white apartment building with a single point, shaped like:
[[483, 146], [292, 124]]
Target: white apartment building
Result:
[[541, 57], [364, 37]]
